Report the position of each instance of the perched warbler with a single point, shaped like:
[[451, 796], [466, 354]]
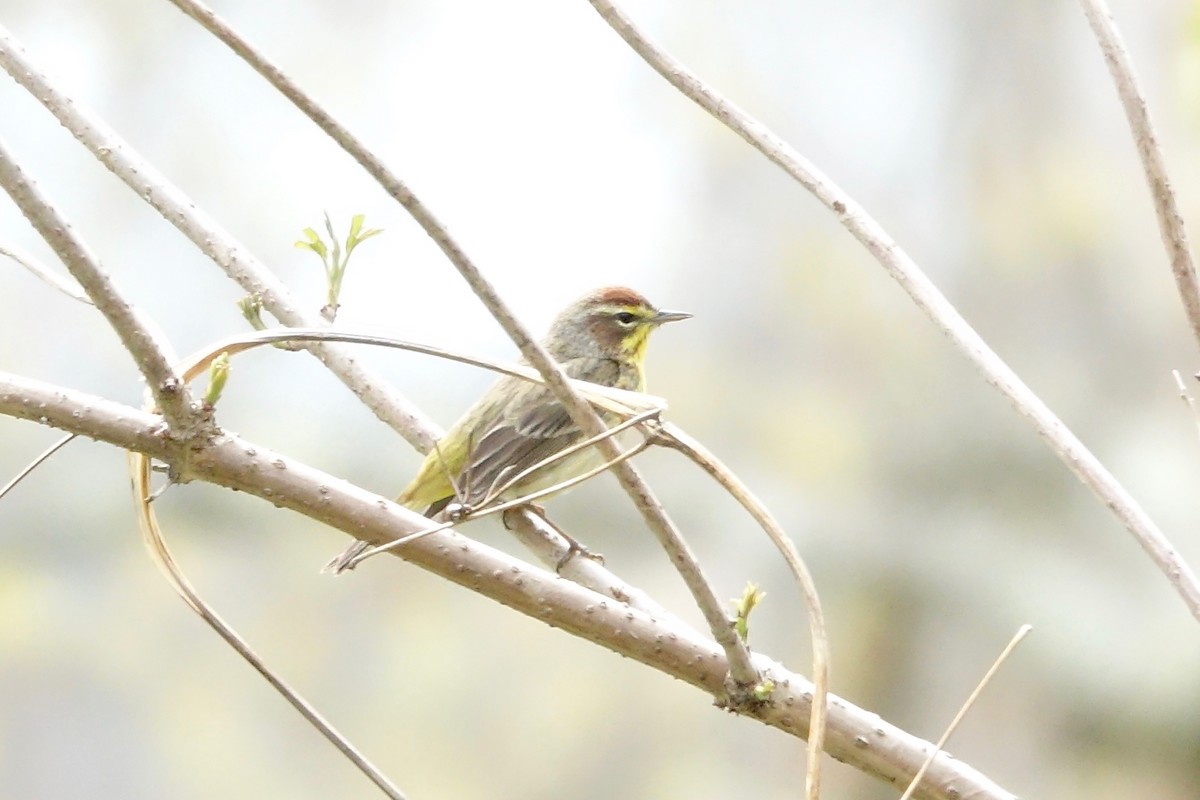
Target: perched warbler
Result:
[[599, 338]]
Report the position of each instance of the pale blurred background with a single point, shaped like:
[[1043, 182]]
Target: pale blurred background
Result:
[[986, 137]]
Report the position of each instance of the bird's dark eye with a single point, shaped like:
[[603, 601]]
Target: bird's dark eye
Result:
[[625, 318]]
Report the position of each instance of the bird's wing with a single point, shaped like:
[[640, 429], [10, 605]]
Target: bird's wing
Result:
[[526, 435]]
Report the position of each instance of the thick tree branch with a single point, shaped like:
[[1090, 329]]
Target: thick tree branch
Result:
[[1070, 450], [1137, 111], [854, 736], [84, 414], [150, 353], [581, 412]]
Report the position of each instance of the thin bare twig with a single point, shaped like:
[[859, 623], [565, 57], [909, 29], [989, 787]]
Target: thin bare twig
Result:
[[581, 413], [962, 712], [37, 462], [149, 351], [47, 276], [1137, 112], [1070, 450]]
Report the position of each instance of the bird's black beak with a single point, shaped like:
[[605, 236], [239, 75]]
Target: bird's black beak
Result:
[[669, 316]]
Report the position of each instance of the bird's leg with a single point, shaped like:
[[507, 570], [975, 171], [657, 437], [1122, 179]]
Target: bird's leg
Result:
[[574, 547]]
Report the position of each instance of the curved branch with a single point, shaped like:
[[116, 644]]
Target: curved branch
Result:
[[1070, 450], [855, 736]]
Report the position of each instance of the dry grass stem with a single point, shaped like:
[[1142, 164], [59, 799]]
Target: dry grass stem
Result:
[[962, 712], [37, 462], [46, 275]]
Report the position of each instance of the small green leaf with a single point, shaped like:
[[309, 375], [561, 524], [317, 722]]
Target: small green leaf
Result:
[[218, 374], [356, 223], [333, 258], [251, 307], [743, 605], [312, 242], [354, 241]]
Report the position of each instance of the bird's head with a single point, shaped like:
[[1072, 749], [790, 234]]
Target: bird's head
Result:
[[614, 322]]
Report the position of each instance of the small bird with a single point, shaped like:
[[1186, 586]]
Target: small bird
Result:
[[599, 338]]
